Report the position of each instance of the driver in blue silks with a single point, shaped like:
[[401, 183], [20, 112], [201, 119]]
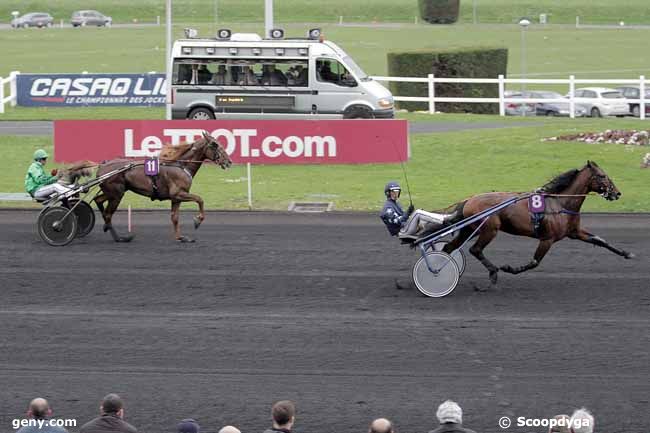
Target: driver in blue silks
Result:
[[405, 225]]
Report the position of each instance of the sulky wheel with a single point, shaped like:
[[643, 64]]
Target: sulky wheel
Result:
[[85, 217], [439, 283], [55, 227], [458, 255]]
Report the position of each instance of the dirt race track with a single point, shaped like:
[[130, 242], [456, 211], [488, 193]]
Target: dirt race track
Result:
[[269, 306]]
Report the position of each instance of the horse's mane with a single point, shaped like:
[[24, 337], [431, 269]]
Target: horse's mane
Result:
[[171, 152], [560, 182]]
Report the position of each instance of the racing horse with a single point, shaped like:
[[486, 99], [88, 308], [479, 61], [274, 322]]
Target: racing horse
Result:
[[178, 166], [564, 196]]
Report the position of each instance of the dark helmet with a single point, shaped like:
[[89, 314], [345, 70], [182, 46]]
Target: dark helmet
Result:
[[392, 186]]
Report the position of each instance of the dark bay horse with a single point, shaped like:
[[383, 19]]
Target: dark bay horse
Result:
[[565, 195], [178, 166]]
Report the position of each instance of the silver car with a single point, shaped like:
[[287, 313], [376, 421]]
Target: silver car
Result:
[[90, 18], [34, 19]]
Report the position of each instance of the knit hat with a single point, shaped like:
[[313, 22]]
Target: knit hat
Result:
[[188, 426], [449, 411]]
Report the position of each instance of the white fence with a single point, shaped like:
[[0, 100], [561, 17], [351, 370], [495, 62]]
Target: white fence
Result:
[[501, 81], [12, 98]]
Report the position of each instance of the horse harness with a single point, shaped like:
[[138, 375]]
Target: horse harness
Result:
[[537, 211], [155, 194]]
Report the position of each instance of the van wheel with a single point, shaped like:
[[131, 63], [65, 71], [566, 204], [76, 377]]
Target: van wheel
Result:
[[201, 114], [358, 112]]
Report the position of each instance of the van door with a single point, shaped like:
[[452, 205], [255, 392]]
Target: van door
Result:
[[333, 86]]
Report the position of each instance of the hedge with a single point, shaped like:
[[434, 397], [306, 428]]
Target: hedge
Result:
[[439, 11], [461, 63]]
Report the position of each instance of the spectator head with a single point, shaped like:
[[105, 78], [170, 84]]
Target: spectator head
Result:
[[112, 404], [562, 424], [229, 429], [582, 421], [450, 412], [39, 408], [188, 426], [381, 425], [283, 414]]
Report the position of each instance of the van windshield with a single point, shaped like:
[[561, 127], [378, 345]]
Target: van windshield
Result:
[[356, 70]]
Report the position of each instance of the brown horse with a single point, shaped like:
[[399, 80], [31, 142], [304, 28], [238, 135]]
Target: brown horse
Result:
[[564, 196], [178, 166]]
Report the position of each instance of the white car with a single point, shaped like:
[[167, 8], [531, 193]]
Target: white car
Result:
[[601, 101]]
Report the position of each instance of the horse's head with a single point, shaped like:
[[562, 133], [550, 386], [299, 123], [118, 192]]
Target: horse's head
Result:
[[216, 152], [600, 183]]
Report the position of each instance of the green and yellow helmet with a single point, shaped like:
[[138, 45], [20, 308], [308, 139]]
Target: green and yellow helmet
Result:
[[40, 154]]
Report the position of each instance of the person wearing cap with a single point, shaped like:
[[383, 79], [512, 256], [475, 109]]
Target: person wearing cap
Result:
[[188, 426], [381, 425], [40, 412], [405, 224], [450, 416], [39, 184]]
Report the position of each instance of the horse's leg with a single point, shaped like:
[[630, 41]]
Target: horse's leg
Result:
[[456, 242], [99, 201], [486, 235], [185, 196], [540, 252], [585, 236], [176, 205], [108, 218]]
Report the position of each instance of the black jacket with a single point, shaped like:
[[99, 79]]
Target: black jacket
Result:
[[108, 424], [451, 427]]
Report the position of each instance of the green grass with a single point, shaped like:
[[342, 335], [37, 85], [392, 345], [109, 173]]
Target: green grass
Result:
[[552, 52], [444, 168], [192, 11]]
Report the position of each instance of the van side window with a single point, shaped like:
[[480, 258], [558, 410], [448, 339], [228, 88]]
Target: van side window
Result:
[[242, 72], [331, 71]]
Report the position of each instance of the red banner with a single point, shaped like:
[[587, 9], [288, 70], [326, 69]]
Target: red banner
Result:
[[254, 141]]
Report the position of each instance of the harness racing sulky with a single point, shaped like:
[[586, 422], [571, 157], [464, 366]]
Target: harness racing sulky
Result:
[[549, 214], [68, 215]]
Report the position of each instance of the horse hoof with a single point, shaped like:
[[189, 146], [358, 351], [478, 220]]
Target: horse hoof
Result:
[[185, 239], [629, 255], [479, 288], [493, 277], [106, 228], [125, 239], [197, 222]]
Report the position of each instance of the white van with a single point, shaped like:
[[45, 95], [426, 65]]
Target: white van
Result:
[[243, 75]]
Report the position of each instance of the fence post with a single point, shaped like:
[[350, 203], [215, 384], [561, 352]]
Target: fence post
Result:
[[642, 97], [13, 86], [502, 105], [432, 95], [2, 96], [572, 91], [250, 191]]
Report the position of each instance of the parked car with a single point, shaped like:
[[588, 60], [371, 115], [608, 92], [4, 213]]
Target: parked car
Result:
[[517, 108], [553, 108], [634, 92], [601, 101], [90, 18], [33, 19]]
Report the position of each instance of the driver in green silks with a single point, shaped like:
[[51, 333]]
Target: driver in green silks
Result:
[[39, 184]]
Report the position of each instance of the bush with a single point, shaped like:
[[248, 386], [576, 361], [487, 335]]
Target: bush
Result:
[[463, 63], [439, 11]]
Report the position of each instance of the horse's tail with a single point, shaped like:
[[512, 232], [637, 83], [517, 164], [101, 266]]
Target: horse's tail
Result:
[[71, 173]]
